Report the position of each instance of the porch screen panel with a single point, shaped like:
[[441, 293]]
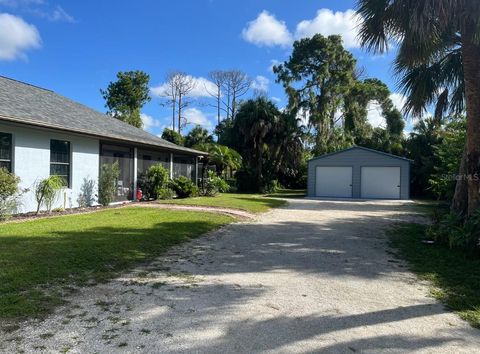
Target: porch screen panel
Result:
[[147, 158], [184, 166], [124, 156]]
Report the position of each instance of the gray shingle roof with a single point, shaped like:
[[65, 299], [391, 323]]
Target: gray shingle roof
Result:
[[28, 104]]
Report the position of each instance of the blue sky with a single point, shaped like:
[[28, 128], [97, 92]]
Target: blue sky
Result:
[[76, 47]]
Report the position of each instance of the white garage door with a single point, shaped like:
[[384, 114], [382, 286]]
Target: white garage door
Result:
[[381, 182], [334, 182]]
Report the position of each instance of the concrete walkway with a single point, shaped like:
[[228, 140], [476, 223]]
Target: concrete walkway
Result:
[[314, 277]]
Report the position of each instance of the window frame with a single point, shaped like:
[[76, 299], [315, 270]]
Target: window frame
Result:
[[56, 163], [10, 160]]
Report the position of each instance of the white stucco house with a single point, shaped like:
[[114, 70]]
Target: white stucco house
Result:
[[43, 134]]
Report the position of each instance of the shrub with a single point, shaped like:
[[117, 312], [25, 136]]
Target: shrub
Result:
[[165, 193], [157, 179], [46, 191], [87, 195], [184, 187], [272, 186], [107, 183], [9, 193], [214, 184], [456, 232]]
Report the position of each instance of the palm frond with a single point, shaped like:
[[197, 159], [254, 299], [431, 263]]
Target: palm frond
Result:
[[374, 29]]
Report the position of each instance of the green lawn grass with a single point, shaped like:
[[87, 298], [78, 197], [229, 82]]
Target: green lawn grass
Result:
[[252, 203], [456, 278], [41, 257], [288, 193]]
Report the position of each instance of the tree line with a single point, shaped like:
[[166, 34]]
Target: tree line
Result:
[[126, 96], [329, 96]]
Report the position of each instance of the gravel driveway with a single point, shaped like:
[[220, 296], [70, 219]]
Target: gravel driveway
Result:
[[312, 277]]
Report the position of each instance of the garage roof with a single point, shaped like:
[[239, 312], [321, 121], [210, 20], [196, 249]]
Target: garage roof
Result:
[[362, 148], [27, 104]]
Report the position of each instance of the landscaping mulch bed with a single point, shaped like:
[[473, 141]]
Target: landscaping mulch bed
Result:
[[71, 211]]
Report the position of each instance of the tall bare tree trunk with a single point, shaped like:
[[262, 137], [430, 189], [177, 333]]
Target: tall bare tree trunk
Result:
[[234, 104], [179, 112], [219, 94], [460, 199], [471, 64], [228, 102]]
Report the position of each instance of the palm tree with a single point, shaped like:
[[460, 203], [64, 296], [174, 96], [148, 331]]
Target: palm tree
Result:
[[425, 135], [253, 122], [225, 158], [438, 48], [221, 156]]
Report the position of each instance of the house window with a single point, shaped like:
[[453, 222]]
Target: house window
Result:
[[6, 151], [60, 160]]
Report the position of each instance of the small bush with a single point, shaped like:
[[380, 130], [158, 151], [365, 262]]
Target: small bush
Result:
[[214, 185], [157, 179], [46, 192], [456, 232], [165, 193], [107, 183], [9, 193], [184, 187], [272, 186], [87, 193]]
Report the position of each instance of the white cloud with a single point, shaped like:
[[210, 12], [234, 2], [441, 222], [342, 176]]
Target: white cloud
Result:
[[40, 8], [17, 3], [374, 116], [59, 14], [273, 62], [276, 99], [159, 90], [328, 22], [267, 31], [260, 83], [196, 116], [375, 110], [201, 88], [149, 122], [398, 100], [16, 37]]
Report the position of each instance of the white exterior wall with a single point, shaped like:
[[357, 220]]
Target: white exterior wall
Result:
[[31, 162]]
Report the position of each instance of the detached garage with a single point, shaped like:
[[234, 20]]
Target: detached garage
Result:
[[359, 173]]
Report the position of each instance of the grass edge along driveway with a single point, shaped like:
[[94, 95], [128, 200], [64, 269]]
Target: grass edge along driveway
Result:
[[455, 278], [252, 203], [41, 259]]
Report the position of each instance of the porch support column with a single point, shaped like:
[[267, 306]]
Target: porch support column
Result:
[[135, 177], [196, 170], [171, 165]]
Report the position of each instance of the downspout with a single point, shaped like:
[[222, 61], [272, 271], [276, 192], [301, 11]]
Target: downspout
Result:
[[135, 173], [171, 165]]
